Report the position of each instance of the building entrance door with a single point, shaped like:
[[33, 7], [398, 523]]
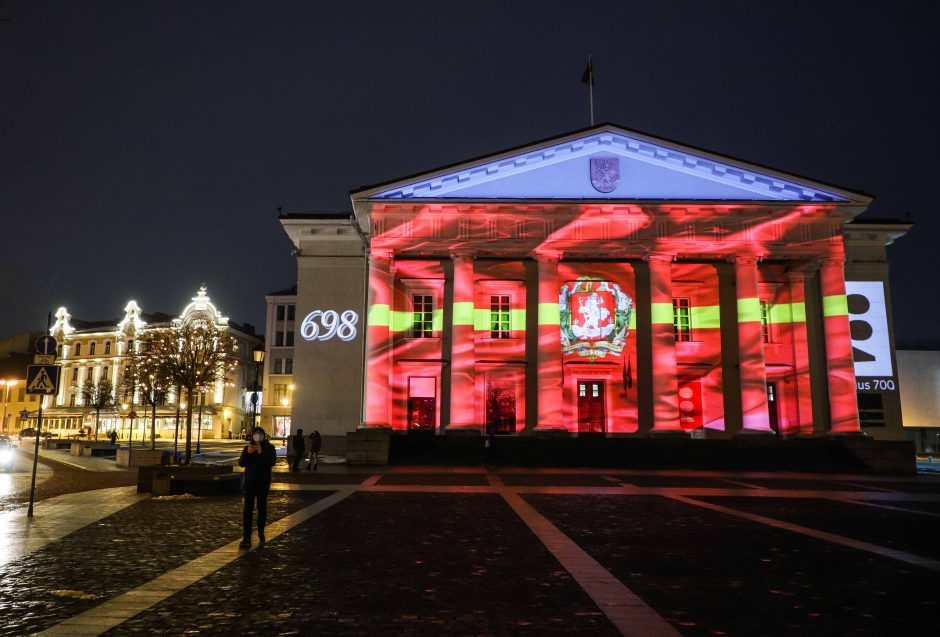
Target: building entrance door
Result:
[[591, 414], [500, 405], [772, 406]]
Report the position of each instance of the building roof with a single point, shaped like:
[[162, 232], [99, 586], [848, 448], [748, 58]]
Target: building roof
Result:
[[659, 169], [291, 291]]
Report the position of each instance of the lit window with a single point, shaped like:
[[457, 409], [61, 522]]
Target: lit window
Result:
[[582, 390], [91, 348], [765, 321], [423, 312], [499, 316], [682, 319]]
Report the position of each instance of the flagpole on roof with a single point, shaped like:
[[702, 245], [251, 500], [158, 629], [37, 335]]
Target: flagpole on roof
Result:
[[588, 78]]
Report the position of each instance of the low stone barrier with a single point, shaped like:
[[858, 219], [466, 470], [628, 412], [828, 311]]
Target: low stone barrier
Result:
[[368, 446]]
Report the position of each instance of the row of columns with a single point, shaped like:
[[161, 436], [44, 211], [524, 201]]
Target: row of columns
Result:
[[753, 378]]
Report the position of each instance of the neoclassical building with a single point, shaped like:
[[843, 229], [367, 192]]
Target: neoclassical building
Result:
[[604, 282], [95, 350]]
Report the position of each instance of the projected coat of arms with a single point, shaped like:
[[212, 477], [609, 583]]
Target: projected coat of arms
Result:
[[595, 318], [605, 173]]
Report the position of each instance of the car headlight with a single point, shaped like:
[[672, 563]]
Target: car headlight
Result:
[[6, 455]]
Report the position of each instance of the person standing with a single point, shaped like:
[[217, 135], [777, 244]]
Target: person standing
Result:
[[258, 458], [113, 437], [314, 450], [297, 446]]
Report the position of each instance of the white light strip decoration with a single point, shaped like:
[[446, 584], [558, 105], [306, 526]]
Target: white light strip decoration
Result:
[[342, 326]]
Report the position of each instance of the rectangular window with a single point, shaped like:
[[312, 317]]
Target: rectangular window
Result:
[[279, 339], [289, 338], [280, 393], [277, 366], [682, 319], [91, 348], [423, 312], [288, 365], [78, 349], [499, 316], [71, 400], [291, 309], [765, 321], [107, 347], [280, 312], [74, 374]]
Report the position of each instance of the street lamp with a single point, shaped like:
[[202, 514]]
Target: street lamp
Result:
[[258, 354]]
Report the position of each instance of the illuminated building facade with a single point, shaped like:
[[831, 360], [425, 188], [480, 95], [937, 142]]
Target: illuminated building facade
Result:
[[278, 381], [95, 350], [604, 282]]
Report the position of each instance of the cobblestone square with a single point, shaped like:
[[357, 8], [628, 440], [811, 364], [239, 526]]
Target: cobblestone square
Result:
[[469, 551]]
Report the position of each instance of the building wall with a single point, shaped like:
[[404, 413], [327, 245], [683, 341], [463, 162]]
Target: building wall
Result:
[[328, 363], [281, 326]]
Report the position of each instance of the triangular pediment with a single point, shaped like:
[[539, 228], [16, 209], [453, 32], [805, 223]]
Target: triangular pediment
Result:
[[608, 162]]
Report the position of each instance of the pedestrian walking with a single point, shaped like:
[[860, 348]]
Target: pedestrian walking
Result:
[[315, 443], [297, 446], [258, 458], [113, 437]]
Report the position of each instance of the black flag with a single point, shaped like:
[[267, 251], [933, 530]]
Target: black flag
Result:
[[588, 77]]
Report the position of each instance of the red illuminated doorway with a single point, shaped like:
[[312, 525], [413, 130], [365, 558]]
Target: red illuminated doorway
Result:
[[591, 414], [422, 403], [690, 403], [772, 406], [500, 405]]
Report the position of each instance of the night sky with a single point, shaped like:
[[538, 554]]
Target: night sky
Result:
[[146, 146]]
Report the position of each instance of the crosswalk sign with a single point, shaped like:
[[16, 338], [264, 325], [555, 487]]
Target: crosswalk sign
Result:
[[42, 379]]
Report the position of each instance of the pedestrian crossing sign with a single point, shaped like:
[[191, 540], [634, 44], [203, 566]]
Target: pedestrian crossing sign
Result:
[[42, 379]]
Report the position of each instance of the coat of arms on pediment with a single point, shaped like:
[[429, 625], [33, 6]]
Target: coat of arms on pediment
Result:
[[605, 173], [595, 318]]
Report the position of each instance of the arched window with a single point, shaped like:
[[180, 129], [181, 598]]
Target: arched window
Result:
[[107, 347], [91, 348], [78, 349]]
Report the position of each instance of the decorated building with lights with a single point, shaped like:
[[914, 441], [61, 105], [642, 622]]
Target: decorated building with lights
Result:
[[604, 282], [95, 350]]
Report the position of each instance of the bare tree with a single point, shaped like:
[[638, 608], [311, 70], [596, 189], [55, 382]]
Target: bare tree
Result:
[[144, 382], [193, 356], [97, 395]]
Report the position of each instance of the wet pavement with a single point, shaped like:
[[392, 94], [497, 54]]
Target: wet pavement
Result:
[[432, 550]]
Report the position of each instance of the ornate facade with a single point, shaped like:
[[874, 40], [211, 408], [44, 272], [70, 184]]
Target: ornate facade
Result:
[[604, 282], [95, 350]]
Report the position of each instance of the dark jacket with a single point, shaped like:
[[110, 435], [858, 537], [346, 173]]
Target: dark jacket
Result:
[[258, 465], [297, 444], [315, 442]]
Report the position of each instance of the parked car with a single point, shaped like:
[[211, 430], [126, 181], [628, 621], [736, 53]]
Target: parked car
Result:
[[7, 454]]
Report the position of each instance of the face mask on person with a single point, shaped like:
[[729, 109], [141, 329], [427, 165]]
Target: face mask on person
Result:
[[257, 437]]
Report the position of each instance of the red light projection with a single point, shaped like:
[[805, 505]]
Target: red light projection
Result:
[[523, 316]]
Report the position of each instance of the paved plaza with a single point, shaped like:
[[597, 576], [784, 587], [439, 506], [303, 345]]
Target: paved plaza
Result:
[[476, 551]]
